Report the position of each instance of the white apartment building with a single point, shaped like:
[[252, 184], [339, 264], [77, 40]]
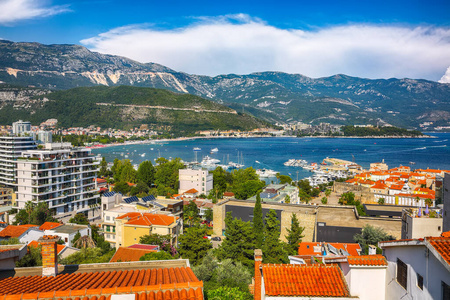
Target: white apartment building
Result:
[[20, 127], [59, 174], [11, 147], [199, 179]]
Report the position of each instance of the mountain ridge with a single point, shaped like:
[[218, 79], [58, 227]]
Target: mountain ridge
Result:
[[275, 96]]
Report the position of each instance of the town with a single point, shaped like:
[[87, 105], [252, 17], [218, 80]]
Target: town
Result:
[[72, 225]]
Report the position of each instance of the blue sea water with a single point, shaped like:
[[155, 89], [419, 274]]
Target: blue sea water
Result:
[[271, 153]]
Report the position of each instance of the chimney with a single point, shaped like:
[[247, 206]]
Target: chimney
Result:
[[258, 276], [49, 255], [372, 250]]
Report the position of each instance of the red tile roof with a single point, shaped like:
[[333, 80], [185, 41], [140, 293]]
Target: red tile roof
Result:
[[147, 219], [379, 185], [144, 246], [302, 280], [129, 254], [367, 260], [35, 244], [446, 234], [228, 194], [96, 283], [442, 246], [13, 231], [49, 225], [191, 191]]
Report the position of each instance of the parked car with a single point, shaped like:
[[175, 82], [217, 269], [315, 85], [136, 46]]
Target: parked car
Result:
[[216, 238]]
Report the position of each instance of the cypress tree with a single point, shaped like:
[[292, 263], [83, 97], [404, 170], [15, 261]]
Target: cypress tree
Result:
[[273, 248], [258, 225], [294, 236]]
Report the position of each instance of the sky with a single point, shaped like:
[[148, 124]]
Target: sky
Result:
[[371, 39]]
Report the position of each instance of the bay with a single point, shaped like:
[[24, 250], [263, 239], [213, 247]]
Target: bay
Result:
[[271, 153]]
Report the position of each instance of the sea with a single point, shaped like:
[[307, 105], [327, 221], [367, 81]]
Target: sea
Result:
[[272, 152]]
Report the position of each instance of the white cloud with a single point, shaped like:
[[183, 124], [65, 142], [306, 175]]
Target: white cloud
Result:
[[12, 11], [241, 44], [446, 77]]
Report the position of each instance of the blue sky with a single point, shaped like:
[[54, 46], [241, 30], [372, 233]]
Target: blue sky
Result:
[[375, 39]]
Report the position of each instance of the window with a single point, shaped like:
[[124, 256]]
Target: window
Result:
[[402, 273], [107, 218], [445, 291], [420, 281], [65, 239]]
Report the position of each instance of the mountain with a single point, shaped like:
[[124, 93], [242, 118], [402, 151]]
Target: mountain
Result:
[[123, 107], [274, 96]]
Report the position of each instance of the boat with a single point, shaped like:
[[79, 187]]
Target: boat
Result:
[[296, 163], [197, 149], [209, 163], [143, 154], [266, 173], [215, 150]]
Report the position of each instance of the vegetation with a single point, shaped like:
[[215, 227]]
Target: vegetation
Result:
[[349, 199], [378, 131], [371, 236], [245, 183], [33, 258], [79, 219], [161, 255], [258, 225], [295, 235], [273, 249], [163, 241], [36, 214], [191, 214], [193, 245], [88, 256]]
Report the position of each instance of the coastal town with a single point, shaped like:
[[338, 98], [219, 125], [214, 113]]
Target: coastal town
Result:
[[349, 227]]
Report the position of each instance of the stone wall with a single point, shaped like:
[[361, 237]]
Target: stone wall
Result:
[[362, 193]]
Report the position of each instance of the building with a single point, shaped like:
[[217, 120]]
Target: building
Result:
[[418, 268], [6, 195], [21, 127], [132, 253], [279, 193], [44, 137], [9, 254], [11, 148], [171, 279], [418, 223], [25, 233], [68, 231], [131, 226], [199, 179], [60, 175], [446, 201]]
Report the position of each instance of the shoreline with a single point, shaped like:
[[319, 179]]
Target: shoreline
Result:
[[145, 142]]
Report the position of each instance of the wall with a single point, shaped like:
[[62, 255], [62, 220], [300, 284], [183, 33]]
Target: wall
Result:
[[422, 227], [131, 234], [368, 283], [31, 235], [446, 201], [362, 193], [415, 257]]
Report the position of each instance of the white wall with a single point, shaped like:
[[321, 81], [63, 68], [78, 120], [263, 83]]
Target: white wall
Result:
[[432, 271], [368, 283], [31, 235]]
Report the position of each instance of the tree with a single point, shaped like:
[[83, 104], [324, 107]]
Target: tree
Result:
[[209, 214], [221, 180], [76, 237], [10, 241], [324, 200], [33, 258], [347, 198], [146, 172], [36, 214], [161, 255], [381, 201], [371, 236], [246, 183], [128, 173], [79, 219], [88, 256], [99, 240], [287, 199], [103, 171], [239, 243], [191, 213], [272, 247], [122, 187], [166, 174], [258, 224], [154, 239], [283, 178], [295, 235], [327, 192], [205, 270], [139, 188], [193, 245], [227, 293]]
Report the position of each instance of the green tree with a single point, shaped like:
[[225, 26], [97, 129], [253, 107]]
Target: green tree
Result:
[[88, 256], [36, 214], [221, 181], [381, 201], [246, 183], [128, 173], [193, 245], [122, 187], [258, 223], [371, 236], [146, 173], [283, 178], [10, 241], [116, 169], [239, 243], [155, 239], [327, 192], [166, 174], [295, 235], [76, 237], [191, 213], [33, 258], [161, 255], [205, 270], [104, 171], [99, 240], [227, 293], [347, 198], [324, 200], [273, 248], [209, 214], [140, 188], [79, 218], [287, 199]]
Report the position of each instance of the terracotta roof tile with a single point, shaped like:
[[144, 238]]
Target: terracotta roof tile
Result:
[[49, 225], [144, 246], [13, 231], [123, 279], [307, 248], [442, 246], [129, 254], [367, 260], [35, 244], [303, 280], [147, 219], [191, 191]]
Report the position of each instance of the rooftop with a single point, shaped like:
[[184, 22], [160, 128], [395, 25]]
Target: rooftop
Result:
[[303, 280], [49, 225], [69, 228], [12, 231], [147, 219], [315, 248], [367, 260], [129, 254]]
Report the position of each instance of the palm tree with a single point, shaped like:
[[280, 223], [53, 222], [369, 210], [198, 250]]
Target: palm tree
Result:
[[29, 207], [84, 242]]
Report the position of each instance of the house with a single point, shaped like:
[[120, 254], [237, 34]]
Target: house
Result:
[[418, 268], [9, 254], [49, 225], [68, 231], [286, 281], [131, 226], [62, 250], [198, 179], [172, 279], [25, 233], [133, 253], [192, 193], [419, 223]]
